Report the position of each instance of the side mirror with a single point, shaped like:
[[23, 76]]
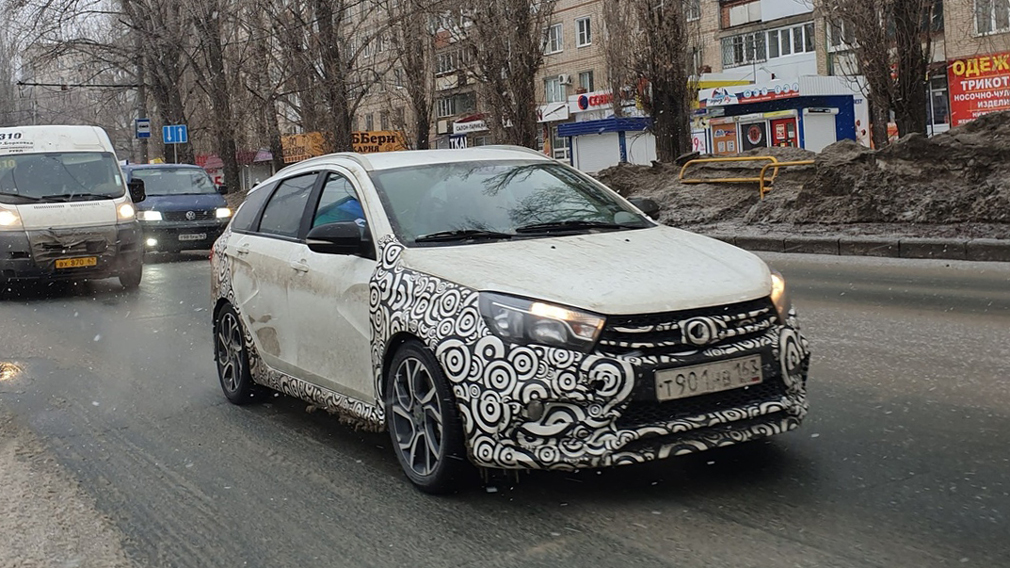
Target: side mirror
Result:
[[645, 205], [345, 237], [136, 189], [222, 189]]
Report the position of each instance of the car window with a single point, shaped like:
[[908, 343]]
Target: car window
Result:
[[283, 213], [245, 217], [498, 196], [338, 202], [174, 181]]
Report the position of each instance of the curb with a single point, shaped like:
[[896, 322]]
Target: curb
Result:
[[984, 250]]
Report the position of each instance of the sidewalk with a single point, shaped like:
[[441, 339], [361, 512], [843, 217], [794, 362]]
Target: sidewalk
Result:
[[986, 250]]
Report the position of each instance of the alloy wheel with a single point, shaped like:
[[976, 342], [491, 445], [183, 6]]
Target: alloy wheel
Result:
[[229, 351], [416, 418]]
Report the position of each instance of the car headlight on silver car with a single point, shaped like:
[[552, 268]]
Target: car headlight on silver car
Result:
[[780, 297], [529, 321]]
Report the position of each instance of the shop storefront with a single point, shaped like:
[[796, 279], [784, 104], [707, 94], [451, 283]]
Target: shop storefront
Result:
[[550, 117], [599, 140], [807, 112]]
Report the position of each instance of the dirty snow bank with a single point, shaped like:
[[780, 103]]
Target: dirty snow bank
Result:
[[955, 184]]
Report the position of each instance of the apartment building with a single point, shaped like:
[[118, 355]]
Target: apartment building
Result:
[[976, 58]]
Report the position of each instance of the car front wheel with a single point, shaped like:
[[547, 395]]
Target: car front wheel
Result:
[[424, 424], [132, 277]]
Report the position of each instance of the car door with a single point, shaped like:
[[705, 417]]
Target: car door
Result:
[[267, 252], [329, 298]]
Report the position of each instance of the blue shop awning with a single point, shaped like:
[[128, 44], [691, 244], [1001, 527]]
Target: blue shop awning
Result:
[[612, 124]]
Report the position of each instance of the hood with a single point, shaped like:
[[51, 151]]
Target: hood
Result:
[[660, 269], [66, 215], [192, 202]]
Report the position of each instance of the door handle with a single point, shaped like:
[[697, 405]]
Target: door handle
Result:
[[242, 249], [299, 265]]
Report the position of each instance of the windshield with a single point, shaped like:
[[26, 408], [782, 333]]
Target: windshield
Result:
[[174, 181], [497, 200], [59, 176]]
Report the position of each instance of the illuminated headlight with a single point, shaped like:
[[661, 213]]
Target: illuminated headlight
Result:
[[222, 213], [9, 220], [150, 216], [527, 321], [126, 212], [780, 297]]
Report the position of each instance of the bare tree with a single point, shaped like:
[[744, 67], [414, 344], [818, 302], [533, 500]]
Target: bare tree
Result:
[[658, 40], [412, 38], [511, 35], [891, 43]]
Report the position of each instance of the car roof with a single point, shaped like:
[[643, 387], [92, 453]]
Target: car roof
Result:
[[407, 158]]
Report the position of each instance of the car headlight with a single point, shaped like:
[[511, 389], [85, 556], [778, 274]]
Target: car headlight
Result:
[[779, 296], [150, 216], [10, 220], [223, 213], [126, 212], [528, 321]]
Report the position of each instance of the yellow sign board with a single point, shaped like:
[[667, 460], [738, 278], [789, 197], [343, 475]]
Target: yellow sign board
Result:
[[371, 141], [298, 147]]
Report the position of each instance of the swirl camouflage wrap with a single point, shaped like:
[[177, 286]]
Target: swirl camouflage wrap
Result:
[[588, 400], [360, 414], [533, 406]]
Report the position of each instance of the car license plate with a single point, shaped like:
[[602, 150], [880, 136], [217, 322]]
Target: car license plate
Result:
[[193, 237], [81, 262], [695, 380]]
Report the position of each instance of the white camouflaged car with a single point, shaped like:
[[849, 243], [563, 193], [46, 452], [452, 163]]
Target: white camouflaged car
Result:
[[494, 308]]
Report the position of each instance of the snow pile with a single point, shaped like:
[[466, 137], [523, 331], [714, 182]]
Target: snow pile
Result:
[[953, 184]]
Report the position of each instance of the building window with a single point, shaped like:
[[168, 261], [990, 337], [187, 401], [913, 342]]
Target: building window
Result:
[[457, 104], [787, 41], [586, 81], [398, 77], [369, 122], [559, 145], [555, 39], [992, 16], [445, 63], [398, 120], [583, 32], [554, 91], [384, 120], [840, 36], [692, 10], [743, 49]]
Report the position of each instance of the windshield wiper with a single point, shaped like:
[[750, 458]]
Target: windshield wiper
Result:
[[573, 225], [81, 196], [461, 235], [19, 196]]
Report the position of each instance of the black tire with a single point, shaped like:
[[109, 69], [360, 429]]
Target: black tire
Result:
[[132, 277], [444, 467], [232, 358]]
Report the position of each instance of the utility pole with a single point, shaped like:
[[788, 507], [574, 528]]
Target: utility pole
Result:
[[141, 92]]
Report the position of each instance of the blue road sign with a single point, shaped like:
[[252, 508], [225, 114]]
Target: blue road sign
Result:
[[142, 127], [175, 134]]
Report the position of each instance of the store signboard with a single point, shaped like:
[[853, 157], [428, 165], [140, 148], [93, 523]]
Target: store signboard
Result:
[[978, 86], [746, 94]]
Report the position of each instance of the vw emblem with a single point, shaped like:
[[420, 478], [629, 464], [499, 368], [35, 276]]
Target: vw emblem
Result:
[[699, 331], [191, 215]]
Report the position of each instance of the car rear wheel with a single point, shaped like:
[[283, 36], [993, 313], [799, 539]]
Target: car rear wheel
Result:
[[132, 277], [424, 423], [232, 358]]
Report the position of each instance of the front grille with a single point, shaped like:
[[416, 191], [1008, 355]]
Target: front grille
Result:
[[83, 247], [181, 215], [688, 330], [641, 413], [655, 442]]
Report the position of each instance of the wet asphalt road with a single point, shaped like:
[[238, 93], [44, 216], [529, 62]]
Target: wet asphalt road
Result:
[[903, 460]]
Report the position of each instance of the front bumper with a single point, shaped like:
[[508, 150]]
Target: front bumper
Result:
[[600, 410], [182, 235], [32, 255]]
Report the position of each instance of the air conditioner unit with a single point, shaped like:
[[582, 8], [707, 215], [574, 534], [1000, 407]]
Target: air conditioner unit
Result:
[[565, 79], [442, 127]]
